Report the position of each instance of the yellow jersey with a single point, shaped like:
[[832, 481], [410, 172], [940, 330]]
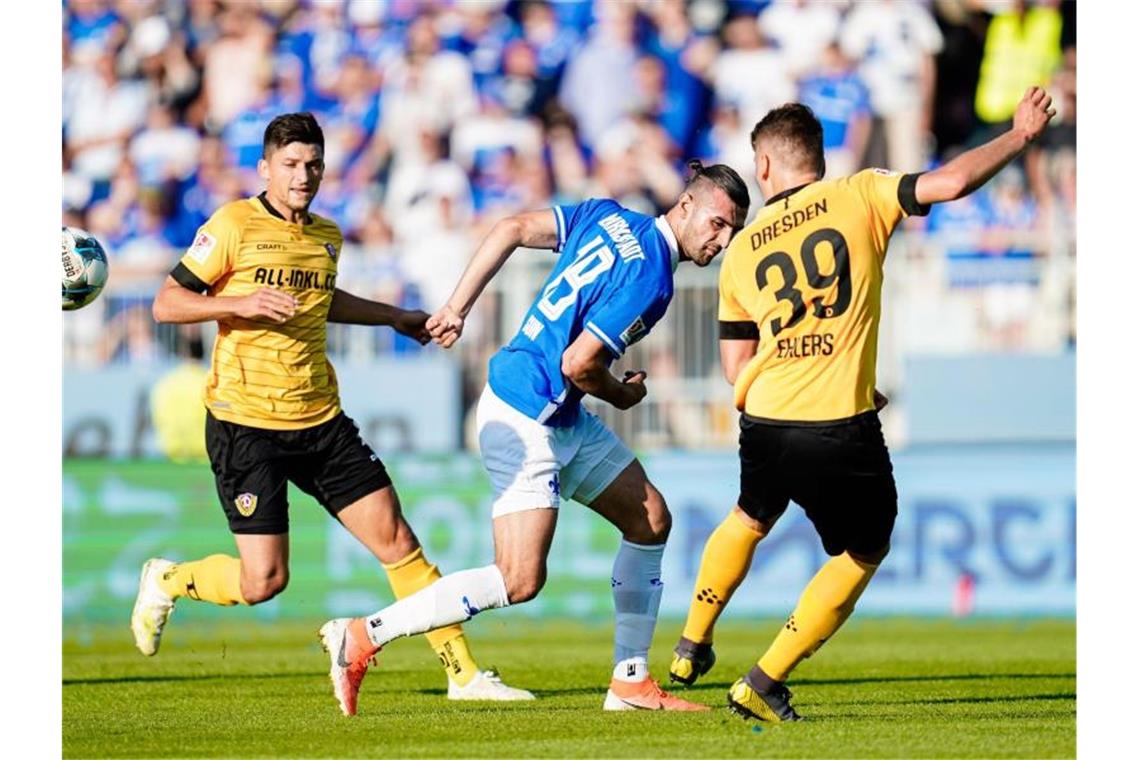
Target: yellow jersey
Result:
[[805, 280], [264, 374]]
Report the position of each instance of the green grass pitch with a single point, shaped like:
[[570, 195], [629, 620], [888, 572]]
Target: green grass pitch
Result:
[[880, 688]]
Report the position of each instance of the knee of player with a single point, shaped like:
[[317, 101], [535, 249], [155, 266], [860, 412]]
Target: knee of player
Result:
[[660, 523], [872, 558], [655, 527], [522, 587], [263, 587]]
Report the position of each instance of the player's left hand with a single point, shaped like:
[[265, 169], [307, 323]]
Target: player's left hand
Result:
[[413, 324], [445, 326]]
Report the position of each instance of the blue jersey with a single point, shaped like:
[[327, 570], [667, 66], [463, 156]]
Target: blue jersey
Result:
[[836, 99], [614, 277]]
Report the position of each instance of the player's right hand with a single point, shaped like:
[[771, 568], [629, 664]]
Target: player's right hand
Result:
[[445, 326], [267, 303], [1033, 113]]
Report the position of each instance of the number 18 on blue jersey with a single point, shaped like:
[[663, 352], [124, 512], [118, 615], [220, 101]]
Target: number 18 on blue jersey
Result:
[[614, 278]]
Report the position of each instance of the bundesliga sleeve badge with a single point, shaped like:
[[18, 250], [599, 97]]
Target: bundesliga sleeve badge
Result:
[[634, 332], [203, 246]]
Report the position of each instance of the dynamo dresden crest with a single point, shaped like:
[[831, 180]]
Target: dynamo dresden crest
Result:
[[246, 504]]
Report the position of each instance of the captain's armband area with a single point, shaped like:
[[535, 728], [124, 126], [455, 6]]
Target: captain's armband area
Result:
[[907, 198], [187, 279], [746, 330]]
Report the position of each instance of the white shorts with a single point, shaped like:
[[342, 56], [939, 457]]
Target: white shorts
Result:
[[531, 465]]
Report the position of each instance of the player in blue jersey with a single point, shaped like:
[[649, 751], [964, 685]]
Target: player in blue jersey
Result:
[[613, 281]]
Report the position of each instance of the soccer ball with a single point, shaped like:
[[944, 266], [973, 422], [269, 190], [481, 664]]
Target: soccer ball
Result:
[[84, 268]]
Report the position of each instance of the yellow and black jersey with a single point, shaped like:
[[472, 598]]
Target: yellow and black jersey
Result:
[[805, 280], [265, 374]]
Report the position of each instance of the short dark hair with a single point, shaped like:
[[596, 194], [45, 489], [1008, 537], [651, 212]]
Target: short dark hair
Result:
[[290, 128], [724, 177], [798, 132]]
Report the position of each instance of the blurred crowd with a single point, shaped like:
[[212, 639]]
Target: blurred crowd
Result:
[[441, 116]]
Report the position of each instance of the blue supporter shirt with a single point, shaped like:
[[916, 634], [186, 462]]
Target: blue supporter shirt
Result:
[[836, 99], [614, 277]]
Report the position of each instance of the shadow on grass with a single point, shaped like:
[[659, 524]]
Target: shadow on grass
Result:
[[1064, 695], [902, 679], [230, 677], [198, 677], [1068, 695], [875, 712]]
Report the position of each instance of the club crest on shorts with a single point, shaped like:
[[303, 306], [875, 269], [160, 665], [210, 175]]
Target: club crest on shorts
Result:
[[331, 249], [246, 504]]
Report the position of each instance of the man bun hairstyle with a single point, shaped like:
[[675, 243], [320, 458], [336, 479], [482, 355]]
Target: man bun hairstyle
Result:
[[796, 135], [290, 128], [724, 177]]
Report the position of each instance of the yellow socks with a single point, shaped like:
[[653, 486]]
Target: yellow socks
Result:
[[826, 602], [724, 564], [408, 576], [215, 579]]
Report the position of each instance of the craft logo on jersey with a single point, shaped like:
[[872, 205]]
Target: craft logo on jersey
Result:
[[246, 504], [331, 250], [634, 332], [203, 244]]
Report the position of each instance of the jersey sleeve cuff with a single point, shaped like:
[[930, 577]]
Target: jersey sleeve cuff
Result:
[[610, 343], [187, 279], [560, 226], [907, 198], [738, 331]]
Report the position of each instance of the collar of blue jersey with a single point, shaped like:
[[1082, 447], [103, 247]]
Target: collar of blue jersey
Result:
[[667, 232], [781, 196]]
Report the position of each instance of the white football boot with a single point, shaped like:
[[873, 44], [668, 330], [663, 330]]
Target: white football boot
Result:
[[350, 653], [486, 686], [152, 607]]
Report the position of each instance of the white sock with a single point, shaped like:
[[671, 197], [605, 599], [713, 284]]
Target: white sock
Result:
[[454, 598], [637, 597], [632, 670]]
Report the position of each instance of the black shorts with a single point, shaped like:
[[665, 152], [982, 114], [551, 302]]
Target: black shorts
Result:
[[330, 462], [839, 472]]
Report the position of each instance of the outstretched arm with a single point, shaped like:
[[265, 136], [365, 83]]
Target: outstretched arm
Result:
[[533, 229], [972, 169], [353, 310]]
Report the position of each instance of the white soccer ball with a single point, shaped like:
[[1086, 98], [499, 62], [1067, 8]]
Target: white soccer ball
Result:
[[84, 268]]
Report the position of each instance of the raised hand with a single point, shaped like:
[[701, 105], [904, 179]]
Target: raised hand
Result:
[[1033, 113], [445, 326]]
